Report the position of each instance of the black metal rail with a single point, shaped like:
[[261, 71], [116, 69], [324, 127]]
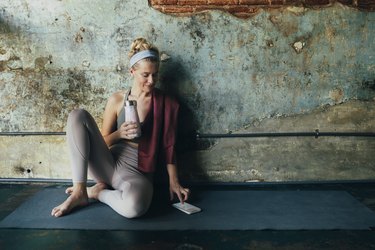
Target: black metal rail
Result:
[[30, 133], [315, 134], [208, 183]]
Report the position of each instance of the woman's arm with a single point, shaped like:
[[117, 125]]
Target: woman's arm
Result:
[[109, 131], [174, 184], [169, 140]]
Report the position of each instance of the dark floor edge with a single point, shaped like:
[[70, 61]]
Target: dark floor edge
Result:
[[199, 183], [185, 230]]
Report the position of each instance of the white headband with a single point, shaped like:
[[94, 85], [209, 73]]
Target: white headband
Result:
[[142, 55]]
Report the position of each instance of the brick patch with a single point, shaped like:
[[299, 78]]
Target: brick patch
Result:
[[247, 8]]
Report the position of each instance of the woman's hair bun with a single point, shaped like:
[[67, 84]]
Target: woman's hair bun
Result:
[[140, 44]]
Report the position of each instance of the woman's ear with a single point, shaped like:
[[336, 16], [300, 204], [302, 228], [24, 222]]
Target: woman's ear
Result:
[[131, 71]]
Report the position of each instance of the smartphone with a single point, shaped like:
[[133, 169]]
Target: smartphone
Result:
[[186, 207]]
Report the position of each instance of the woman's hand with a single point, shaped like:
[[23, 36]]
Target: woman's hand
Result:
[[127, 130], [181, 192], [174, 185]]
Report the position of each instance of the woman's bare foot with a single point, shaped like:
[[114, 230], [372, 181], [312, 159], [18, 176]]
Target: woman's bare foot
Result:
[[78, 198], [69, 190], [92, 192]]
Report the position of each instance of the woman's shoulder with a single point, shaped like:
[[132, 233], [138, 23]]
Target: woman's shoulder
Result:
[[117, 96], [116, 99]]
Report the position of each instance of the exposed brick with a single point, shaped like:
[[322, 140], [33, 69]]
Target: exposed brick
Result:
[[316, 2], [254, 2], [277, 2], [346, 2], [293, 2], [178, 9], [247, 8], [192, 2], [240, 9], [200, 8], [366, 4], [163, 2], [222, 2], [158, 7]]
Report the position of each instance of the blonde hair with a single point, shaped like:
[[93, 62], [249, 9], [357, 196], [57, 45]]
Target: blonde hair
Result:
[[141, 44]]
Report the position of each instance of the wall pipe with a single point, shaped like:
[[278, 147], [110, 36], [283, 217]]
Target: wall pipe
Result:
[[30, 133], [315, 134], [202, 183]]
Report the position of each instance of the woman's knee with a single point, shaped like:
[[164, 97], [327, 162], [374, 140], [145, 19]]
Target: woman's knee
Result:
[[77, 115], [134, 208]]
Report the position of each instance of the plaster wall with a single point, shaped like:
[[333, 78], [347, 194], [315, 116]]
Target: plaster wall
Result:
[[287, 69]]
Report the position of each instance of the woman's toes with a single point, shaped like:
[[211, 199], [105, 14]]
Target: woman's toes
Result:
[[69, 190], [69, 204]]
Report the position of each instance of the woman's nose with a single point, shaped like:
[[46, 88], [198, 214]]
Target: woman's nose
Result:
[[151, 79]]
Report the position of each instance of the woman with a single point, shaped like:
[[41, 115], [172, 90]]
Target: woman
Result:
[[121, 164]]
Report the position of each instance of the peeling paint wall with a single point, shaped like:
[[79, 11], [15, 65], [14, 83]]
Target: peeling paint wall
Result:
[[293, 69]]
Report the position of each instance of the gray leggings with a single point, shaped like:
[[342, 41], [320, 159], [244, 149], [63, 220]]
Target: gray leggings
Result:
[[115, 166]]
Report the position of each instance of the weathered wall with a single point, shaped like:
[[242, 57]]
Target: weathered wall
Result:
[[285, 69]]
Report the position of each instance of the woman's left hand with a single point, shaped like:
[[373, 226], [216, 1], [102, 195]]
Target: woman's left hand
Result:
[[181, 192]]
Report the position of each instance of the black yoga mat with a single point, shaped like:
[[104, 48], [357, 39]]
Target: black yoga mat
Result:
[[221, 210]]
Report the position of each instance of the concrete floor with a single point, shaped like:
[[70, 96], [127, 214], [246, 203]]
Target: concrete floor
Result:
[[12, 195]]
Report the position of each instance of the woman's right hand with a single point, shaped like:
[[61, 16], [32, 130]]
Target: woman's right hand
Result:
[[127, 130]]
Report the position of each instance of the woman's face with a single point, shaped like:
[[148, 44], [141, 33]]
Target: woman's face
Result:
[[145, 75]]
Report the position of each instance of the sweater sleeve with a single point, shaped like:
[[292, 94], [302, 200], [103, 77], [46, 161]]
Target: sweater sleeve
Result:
[[171, 108]]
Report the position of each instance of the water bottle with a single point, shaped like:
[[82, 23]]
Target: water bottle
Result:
[[131, 115]]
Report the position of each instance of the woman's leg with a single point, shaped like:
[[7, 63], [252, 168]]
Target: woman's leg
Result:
[[88, 150], [131, 198], [133, 190]]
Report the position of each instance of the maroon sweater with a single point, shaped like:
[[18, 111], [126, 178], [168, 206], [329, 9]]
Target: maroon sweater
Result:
[[157, 143]]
